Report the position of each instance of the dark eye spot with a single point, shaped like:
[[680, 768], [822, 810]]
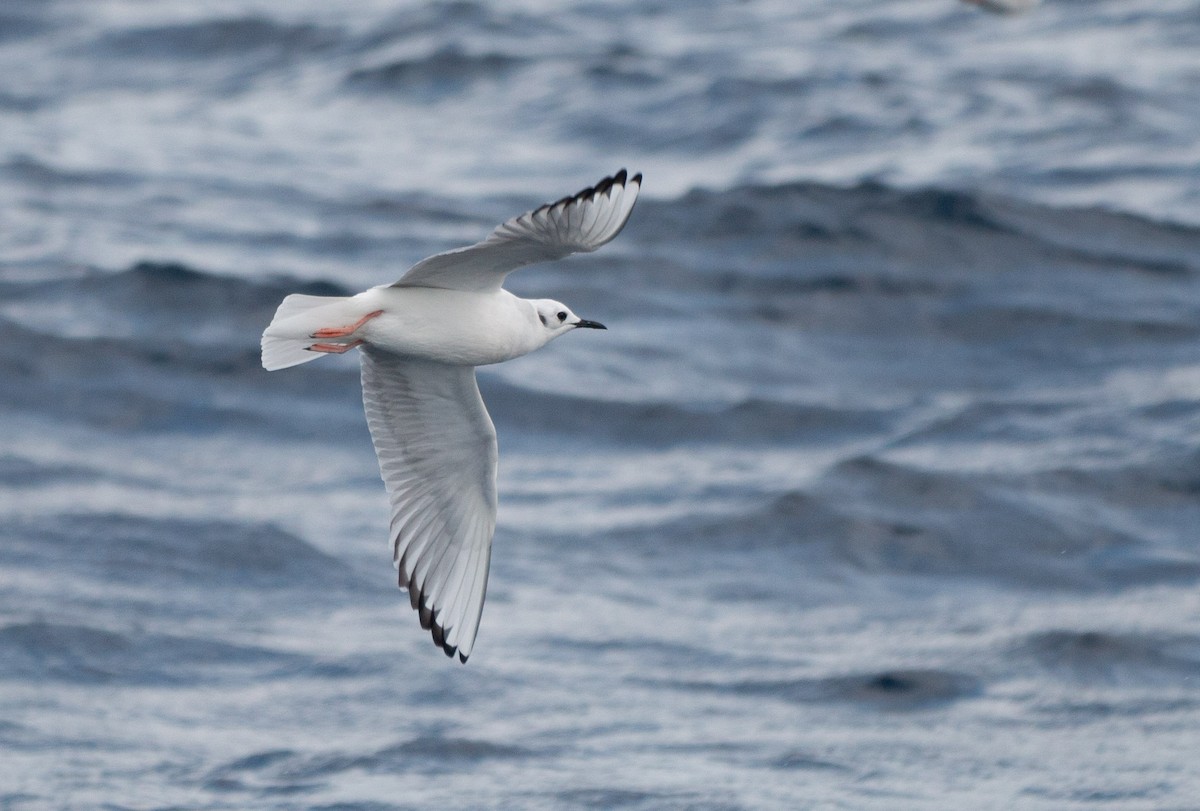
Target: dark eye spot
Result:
[[562, 316], [542, 318]]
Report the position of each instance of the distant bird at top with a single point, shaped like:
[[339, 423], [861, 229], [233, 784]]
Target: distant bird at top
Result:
[[420, 340], [1004, 6]]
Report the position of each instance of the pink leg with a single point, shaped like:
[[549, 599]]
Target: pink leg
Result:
[[334, 349], [342, 332]]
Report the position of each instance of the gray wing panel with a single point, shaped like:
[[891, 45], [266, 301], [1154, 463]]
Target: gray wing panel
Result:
[[437, 453], [580, 223]]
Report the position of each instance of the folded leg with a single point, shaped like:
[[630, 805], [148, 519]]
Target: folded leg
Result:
[[342, 332], [334, 349]]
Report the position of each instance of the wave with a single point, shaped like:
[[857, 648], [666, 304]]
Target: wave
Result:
[[22, 23], [870, 516], [41, 174], [150, 286], [273, 768], [140, 386], [169, 302], [445, 72], [204, 59], [656, 424], [909, 520], [1050, 327], [922, 222], [218, 38], [1106, 657], [35, 651], [161, 347], [17, 472], [454, 21], [755, 243], [198, 554], [900, 689], [1172, 480]]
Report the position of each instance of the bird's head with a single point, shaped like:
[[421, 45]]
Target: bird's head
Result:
[[556, 318]]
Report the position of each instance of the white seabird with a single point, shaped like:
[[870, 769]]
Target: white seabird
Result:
[[420, 340]]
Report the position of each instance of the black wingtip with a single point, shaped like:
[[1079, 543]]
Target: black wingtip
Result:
[[425, 614], [439, 639], [606, 185], [591, 192], [603, 187]]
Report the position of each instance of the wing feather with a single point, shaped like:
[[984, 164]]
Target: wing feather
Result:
[[587, 223], [610, 212], [441, 572], [577, 224], [437, 454], [456, 585]]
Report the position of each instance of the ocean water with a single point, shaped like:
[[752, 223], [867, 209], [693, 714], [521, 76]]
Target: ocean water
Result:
[[881, 491]]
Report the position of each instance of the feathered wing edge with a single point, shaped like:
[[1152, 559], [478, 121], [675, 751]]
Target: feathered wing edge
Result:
[[581, 222], [437, 454]]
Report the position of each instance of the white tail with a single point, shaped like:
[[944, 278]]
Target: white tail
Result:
[[286, 344]]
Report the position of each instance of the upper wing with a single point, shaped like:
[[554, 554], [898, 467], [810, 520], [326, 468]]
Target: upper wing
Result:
[[582, 222], [437, 452]]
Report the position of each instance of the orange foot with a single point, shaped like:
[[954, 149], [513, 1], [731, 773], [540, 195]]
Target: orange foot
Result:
[[342, 332], [334, 349]]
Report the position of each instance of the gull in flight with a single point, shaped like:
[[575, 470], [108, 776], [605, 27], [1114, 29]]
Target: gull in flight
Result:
[[420, 340]]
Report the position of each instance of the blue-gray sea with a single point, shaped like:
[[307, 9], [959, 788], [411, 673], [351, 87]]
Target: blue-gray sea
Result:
[[882, 490]]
